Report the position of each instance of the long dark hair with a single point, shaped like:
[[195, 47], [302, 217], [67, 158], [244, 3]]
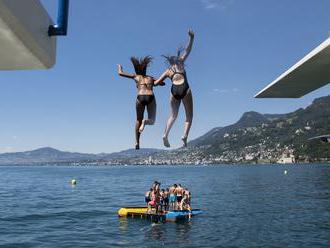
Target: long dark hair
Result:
[[175, 59], [141, 64]]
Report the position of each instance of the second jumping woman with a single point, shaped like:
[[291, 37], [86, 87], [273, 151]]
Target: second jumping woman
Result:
[[180, 90]]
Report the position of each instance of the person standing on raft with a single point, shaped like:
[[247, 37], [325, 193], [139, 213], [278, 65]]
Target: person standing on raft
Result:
[[145, 96], [180, 90]]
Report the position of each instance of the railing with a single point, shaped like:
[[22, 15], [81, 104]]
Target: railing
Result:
[[61, 27]]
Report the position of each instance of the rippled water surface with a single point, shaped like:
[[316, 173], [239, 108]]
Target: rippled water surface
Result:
[[243, 206]]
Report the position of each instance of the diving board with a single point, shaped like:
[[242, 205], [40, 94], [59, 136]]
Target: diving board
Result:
[[24, 39], [310, 73], [323, 138]]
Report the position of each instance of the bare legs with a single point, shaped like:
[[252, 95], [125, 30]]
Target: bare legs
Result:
[[139, 118], [175, 105], [188, 106], [140, 123], [151, 108]]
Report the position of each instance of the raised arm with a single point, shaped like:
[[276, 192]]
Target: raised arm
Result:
[[190, 44], [160, 81], [124, 74]]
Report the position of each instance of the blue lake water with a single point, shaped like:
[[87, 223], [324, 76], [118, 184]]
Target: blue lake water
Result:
[[244, 206]]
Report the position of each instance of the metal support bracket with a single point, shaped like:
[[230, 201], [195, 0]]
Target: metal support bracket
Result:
[[62, 20]]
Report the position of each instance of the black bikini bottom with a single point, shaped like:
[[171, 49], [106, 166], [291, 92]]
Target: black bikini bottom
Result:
[[180, 91], [145, 99]]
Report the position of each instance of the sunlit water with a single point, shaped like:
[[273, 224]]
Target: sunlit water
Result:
[[244, 206]]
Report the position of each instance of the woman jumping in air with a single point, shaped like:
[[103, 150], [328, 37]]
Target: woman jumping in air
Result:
[[145, 97], [180, 90]]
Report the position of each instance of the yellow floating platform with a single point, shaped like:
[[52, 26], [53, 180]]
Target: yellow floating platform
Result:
[[172, 216], [132, 210]]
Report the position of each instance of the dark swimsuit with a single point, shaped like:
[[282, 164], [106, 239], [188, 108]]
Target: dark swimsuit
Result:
[[147, 199], [179, 198], [180, 91], [166, 201], [145, 99]]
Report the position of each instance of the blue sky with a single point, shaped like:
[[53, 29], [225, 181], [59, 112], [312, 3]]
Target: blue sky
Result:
[[83, 105]]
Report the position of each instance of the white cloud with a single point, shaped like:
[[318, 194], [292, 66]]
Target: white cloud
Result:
[[212, 4], [209, 4]]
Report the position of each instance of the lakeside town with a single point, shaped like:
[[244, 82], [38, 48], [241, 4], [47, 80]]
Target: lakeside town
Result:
[[197, 158]]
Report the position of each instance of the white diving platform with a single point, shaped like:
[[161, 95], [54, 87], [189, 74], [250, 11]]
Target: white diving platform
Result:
[[24, 40], [310, 73], [323, 138]]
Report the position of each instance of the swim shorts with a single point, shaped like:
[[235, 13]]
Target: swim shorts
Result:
[[172, 198]]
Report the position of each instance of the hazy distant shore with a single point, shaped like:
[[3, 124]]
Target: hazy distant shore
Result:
[[254, 139]]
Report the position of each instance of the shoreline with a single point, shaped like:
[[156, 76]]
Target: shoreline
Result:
[[93, 164]]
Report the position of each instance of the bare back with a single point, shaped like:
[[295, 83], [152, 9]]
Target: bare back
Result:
[[177, 74], [144, 84], [179, 191]]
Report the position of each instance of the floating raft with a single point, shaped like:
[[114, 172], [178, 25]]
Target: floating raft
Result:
[[142, 213]]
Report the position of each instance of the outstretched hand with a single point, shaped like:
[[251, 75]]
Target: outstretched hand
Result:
[[191, 33], [120, 68]]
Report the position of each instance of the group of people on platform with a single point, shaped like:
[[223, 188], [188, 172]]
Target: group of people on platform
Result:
[[175, 197]]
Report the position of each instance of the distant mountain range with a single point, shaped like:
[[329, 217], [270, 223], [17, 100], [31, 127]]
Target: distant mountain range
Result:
[[51, 155], [43, 155], [260, 138], [268, 136], [249, 119], [254, 137]]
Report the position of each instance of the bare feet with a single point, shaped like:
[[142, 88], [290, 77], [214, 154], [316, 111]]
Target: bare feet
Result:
[[142, 126], [184, 140], [165, 141], [137, 147]]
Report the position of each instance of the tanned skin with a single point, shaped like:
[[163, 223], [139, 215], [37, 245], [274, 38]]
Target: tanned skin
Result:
[[187, 101], [144, 86]]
